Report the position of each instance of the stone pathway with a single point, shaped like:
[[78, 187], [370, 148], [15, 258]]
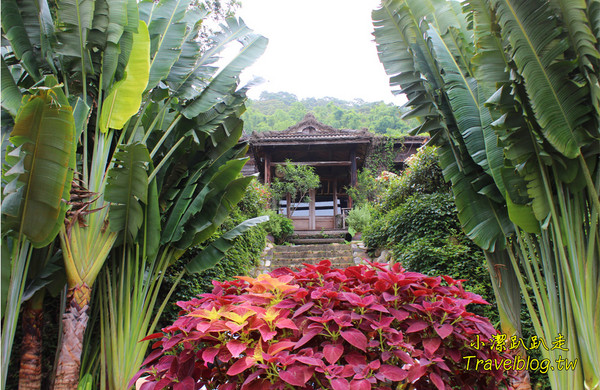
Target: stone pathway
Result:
[[292, 256]]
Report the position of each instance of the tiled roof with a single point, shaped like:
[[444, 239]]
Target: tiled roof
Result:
[[309, 129]]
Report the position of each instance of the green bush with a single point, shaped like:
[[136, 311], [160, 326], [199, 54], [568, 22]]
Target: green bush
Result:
[[279, 227], [368, 188], [423, 175], [359, 219]]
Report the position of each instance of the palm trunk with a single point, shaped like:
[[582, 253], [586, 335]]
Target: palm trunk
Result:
[[508, 300], [521, 380], [74, 323], [30, 374]]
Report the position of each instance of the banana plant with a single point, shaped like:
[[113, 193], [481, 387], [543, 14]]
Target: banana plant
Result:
[[511, 96], [132, 84], [37, 178]]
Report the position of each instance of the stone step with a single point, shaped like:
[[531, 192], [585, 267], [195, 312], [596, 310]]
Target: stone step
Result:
[[312, 260], [302, 241], [314, 247], [315, 254], [294, 256], [340, 264]]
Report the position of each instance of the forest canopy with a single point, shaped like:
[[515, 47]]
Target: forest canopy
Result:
[[280, 110]]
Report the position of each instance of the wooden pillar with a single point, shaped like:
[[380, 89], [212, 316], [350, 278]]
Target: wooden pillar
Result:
[[312, 221], [335, 208], [267, 168], [353, 174]]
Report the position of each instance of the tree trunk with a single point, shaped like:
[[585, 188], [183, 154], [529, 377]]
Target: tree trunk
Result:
[[30, 374], [521, 381], [74, 323]]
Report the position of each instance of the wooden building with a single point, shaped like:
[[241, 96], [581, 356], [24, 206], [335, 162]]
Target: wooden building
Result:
[[336, 155]]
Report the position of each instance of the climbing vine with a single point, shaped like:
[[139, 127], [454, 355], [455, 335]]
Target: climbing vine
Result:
[[380, 156]]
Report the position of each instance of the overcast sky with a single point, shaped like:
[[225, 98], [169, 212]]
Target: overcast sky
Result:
[[317, 48]]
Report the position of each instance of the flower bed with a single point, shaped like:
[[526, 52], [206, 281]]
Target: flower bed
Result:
[[364, 327]]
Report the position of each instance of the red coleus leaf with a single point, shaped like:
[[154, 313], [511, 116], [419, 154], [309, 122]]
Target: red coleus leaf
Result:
[[208, 355], [286, 323], [444, 330], [332, 352], [236, 347], [437, 381], [398, 314], [307, 337], [297, 375], [431, 345], [417, 326], [186, 384], [153, 355], [340, 384], [266, 333], [280, 346], [303, 308], [393, 373], [240, 365], [355, 337], [153, 336], [252, 377], [360, 384], [416, 372], [310, 361]]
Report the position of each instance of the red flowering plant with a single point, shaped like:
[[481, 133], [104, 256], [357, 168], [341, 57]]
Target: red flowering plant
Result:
[[363, 327]]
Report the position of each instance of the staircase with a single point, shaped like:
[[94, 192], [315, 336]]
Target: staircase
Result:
[[293, 256]]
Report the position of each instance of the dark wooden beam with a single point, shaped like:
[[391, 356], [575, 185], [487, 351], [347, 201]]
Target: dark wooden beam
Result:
[[316, 163]]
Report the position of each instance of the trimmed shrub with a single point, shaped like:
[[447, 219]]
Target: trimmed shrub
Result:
[[363, 327], [279, 227], [359, 219]]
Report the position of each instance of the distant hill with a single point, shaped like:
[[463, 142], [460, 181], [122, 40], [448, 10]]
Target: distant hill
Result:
[[280, 110]]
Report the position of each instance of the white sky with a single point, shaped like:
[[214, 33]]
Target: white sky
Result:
[[317, 48]]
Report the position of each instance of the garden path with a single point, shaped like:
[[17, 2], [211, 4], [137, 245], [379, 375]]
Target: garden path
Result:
[[292, 256]]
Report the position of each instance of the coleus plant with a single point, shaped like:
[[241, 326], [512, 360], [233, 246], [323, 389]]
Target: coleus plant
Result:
[[364, 327]]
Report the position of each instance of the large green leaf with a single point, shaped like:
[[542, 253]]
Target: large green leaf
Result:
[[117, 20], [217, 207], [195, 68], [463, 93], [583, 40], [560, 106], [16, 33], [75, 17], [217, 249], [167, 32], [483, 220], [398, 34], [253, 46], [124, 98], [43, 137], [11, 95], [126, 187]]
